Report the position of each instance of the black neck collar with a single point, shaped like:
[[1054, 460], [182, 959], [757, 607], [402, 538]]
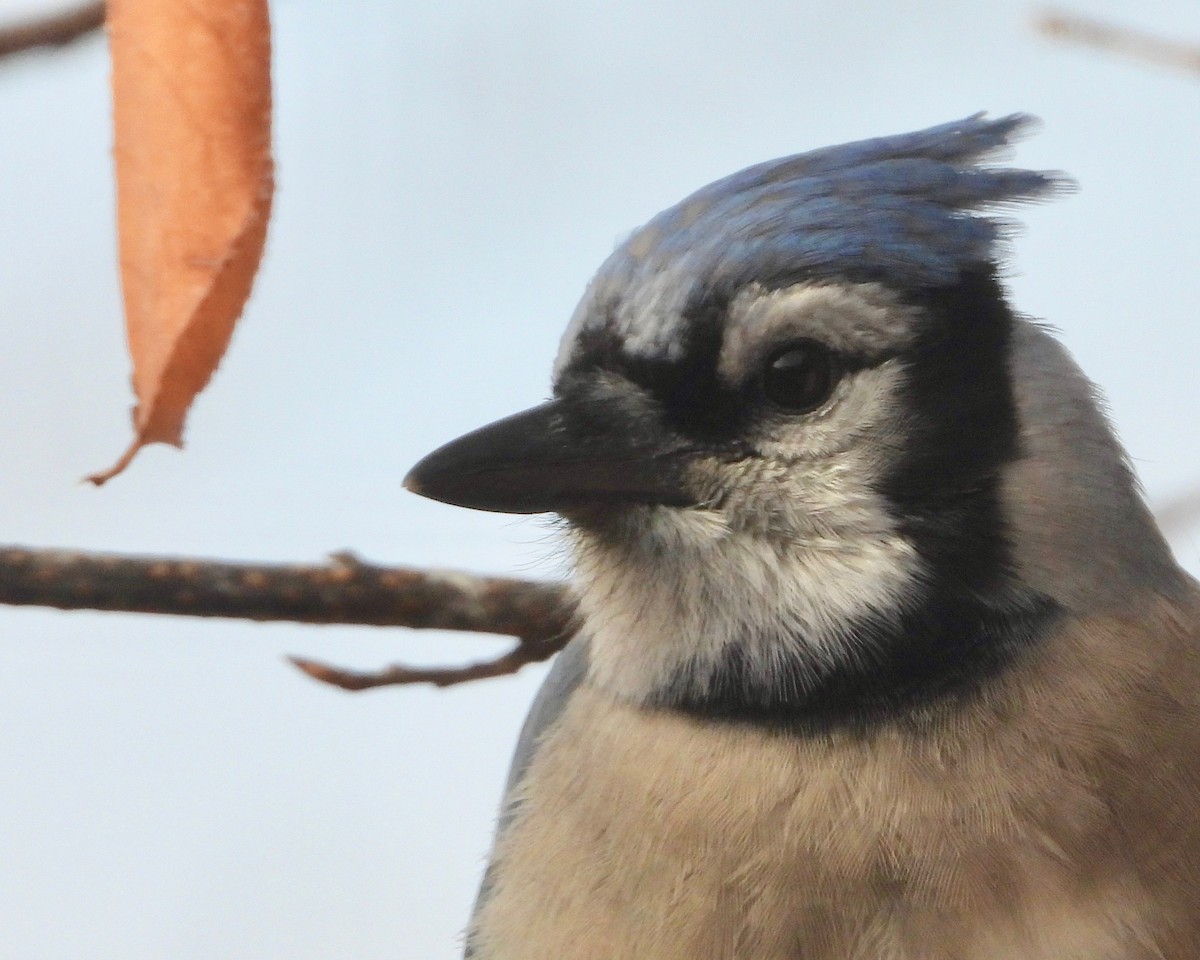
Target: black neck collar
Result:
[[947, 648]]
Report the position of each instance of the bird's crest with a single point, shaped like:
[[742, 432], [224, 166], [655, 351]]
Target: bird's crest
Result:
[[909, 211]]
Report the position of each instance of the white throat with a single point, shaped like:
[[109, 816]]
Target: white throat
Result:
[[672, 594]]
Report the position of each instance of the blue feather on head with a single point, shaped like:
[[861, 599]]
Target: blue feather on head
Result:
[[905, 211]]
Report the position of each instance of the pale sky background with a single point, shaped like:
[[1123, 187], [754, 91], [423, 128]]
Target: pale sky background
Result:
[[450, 174]]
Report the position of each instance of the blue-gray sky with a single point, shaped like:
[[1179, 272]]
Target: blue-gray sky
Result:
[[449, 176]]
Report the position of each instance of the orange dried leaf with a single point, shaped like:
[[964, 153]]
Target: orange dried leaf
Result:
[[191, 110]]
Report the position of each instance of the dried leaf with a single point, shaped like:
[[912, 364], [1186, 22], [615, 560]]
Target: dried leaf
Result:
[[191, 111]]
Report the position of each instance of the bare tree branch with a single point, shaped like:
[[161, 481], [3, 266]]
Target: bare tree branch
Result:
[[1120, 40], [345, 591], [56, 30]]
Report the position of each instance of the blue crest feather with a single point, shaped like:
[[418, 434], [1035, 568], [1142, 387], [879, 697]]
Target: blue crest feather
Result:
[[901, 209], [909, 211]]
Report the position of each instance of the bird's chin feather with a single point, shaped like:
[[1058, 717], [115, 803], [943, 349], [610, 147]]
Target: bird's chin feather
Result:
[[667, 593]]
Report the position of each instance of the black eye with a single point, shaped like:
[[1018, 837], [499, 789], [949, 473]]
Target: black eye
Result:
[[801, 376]]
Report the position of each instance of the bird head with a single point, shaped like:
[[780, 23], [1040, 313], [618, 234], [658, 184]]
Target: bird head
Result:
[[811, 461]]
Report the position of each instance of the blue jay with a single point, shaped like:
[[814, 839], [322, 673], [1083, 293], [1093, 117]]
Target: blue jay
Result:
[[881, 654]]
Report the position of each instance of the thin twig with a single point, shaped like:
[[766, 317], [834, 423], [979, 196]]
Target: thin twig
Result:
[[519, 656], [56, 30], [1118, 39]]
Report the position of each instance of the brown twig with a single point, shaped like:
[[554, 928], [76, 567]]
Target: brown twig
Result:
[[56, 30], [1117, 39], [519, 656], [344, 591]]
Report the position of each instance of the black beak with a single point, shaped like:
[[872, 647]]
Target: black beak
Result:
[[557, 456]]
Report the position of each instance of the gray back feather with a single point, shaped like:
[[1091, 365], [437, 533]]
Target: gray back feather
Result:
[[1081, 531]]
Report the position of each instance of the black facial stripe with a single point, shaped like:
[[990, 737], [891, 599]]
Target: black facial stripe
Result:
[[958, 385], [944, 492], [694, 402]]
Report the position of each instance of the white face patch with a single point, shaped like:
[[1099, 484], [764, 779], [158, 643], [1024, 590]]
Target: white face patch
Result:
[[648, 318], [665, 607], [790, 548]]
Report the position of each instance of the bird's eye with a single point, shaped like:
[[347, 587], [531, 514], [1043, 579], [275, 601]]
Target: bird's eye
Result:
[[801, 376]]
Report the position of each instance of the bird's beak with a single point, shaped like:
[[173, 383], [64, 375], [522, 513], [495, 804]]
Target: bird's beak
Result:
[[561, 455]]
